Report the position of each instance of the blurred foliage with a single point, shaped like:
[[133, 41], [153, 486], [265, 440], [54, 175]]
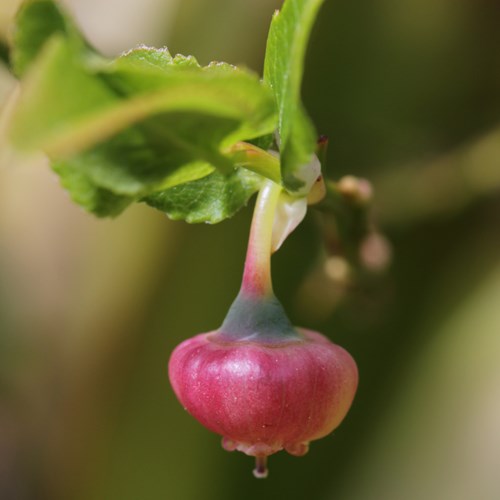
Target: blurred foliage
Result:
[[408, 92]]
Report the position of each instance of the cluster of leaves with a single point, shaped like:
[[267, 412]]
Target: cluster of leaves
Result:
[[189, 140]]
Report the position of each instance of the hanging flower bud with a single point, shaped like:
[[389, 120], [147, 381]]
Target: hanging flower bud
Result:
[[258, 381], [263, 397]]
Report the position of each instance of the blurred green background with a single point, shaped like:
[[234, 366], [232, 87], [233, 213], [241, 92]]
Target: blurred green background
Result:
[[409, 93]]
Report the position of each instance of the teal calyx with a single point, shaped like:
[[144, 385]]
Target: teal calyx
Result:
[[257, 319]]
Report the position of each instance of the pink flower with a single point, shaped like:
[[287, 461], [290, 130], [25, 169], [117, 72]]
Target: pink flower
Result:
[[263, 397]]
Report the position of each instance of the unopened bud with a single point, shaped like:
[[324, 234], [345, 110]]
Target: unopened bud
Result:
[[375, 252], [356, 188], [337, 269]]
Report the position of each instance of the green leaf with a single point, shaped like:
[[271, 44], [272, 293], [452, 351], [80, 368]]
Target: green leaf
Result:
[[173, 116], [126, 92], [218, 89], [211, 199], [145, 123], [85, 193], [264, 142], [140, 160], [58, 97], [35, 23], [283, 69]]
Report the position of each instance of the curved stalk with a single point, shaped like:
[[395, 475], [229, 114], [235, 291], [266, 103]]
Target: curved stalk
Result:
[[257, 274]]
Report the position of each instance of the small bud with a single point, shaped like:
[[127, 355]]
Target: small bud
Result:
[[337, 269], [375, 252], [358, 189]]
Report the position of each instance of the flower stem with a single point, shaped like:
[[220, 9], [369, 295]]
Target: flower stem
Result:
[[256, 315], [257, 274]]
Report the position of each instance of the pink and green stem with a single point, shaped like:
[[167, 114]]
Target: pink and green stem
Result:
[[257, 315], [257, 279]]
